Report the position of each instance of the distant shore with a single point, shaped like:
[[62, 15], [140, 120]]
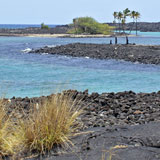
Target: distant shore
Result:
[[62, 30], [58, 31], [142, 26]]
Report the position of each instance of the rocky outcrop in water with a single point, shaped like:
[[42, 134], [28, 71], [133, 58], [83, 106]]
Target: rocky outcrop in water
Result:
[[134, 53]]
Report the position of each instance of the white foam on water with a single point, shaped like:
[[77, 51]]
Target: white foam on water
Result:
[[44, 53], [26, 50], [136, 62], [51, 46]]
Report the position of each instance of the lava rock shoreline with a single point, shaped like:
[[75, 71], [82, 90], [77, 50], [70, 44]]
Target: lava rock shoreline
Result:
[[139, 142], [61, 29], [146, 54], [124, 123], [142, 26], [106, 109]]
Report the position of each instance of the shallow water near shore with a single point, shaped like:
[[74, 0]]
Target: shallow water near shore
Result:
[[23, 74]]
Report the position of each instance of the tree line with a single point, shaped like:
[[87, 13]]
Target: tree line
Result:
[[121, 18], [88, 25]]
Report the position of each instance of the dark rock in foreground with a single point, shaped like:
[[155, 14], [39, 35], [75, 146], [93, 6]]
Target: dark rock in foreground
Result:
[[133, 53], [123, 125], [139, 142]]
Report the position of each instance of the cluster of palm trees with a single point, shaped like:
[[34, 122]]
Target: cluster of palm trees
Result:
[[122, 17]]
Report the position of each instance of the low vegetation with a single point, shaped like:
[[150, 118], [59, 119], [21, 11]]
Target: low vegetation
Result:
[[11, 139], [49, 124], [88, 25], [43, 26]]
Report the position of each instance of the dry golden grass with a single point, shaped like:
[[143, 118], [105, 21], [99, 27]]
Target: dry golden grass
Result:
[[49, 124], [4, 123], [111, 152], [10, 139], [52, 123]]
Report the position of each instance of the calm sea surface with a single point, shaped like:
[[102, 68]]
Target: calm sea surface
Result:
[[23, 74]]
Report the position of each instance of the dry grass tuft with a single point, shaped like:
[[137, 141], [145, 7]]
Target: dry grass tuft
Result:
[[111, 152], [49, 124], [10, 139]]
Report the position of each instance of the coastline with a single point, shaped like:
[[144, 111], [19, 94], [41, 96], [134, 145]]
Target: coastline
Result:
[[67, 36], [123, 123], [58, 31], [62, 35], [115, 108]]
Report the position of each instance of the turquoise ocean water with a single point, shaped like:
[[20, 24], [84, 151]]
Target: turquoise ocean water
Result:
[[23, 74]]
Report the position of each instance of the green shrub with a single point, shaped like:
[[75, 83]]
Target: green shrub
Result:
[[89, 25], [43, 26]]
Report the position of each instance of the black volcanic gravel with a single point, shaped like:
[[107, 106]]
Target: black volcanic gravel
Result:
[[101, 110]]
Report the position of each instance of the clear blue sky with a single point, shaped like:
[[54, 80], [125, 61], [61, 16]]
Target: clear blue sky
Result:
[[63, 11]]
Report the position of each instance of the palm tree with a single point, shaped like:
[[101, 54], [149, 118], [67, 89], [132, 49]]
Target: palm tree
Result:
[[115, 15], [126, 13], [132, 15], [137, 16], [74, 23], [119, 17], [123, 24]]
